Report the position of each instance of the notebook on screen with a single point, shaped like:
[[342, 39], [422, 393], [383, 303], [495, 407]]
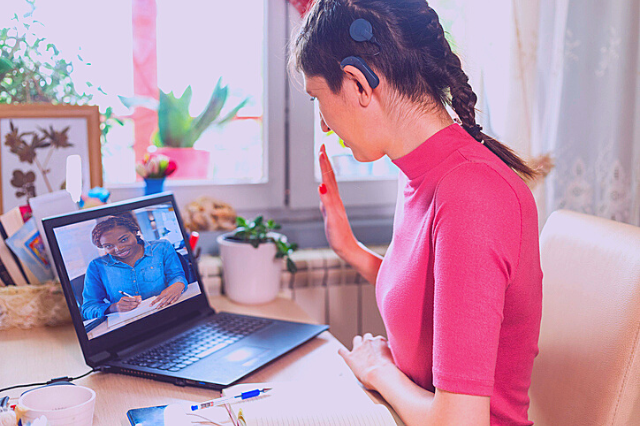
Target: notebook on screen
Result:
[[138, 304]]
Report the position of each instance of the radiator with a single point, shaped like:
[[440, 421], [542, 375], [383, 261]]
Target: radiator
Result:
[[325, 287]]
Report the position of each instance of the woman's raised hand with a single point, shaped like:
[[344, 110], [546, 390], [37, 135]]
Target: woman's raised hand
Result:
[[336, 224]]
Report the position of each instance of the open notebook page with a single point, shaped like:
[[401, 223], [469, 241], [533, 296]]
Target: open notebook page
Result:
[[143, 308], [378, 415], [332, 402]]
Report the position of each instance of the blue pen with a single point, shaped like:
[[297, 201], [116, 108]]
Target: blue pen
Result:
[[230, 399]]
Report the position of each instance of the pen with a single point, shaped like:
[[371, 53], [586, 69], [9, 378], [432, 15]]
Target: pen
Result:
[[124, 293], [228, 399]]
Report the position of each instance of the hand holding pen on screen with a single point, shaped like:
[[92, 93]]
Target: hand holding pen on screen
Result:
[[126, 303]]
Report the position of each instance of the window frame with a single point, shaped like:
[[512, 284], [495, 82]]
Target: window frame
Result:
[[271, 193], [290, 190], [376, 192]]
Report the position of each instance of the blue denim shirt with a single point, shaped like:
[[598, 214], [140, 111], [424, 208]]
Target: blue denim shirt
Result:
[[158, 268]]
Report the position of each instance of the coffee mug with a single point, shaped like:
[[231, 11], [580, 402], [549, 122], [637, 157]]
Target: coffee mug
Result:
[[62, 404]]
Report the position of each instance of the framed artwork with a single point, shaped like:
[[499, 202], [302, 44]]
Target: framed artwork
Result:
[[35, 141]]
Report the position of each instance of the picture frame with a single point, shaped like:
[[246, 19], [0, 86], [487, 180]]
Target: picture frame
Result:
[[35, 140]]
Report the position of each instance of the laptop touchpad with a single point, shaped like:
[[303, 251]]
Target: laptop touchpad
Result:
[[246, 353]]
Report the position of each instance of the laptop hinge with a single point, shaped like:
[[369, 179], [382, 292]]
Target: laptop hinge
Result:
[[99, 358]]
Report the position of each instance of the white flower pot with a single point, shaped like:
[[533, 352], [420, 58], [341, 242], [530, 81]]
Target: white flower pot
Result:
[[251, 275]]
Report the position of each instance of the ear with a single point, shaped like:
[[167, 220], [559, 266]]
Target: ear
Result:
[[357, 84]]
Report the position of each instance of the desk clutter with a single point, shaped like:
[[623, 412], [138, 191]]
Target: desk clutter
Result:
[[28, 295], [339, 402], [58, 404]]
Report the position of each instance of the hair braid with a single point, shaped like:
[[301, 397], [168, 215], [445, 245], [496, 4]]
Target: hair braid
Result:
[[463, 101]]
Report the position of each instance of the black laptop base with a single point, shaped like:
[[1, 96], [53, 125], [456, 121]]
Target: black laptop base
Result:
[[242, 357]]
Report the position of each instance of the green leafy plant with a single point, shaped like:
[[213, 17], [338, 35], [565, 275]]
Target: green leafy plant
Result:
[[259, 231], [32, 69], [176, 127]]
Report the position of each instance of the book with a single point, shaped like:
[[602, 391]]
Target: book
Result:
[[12, 221], [16, 262], [11, 265], [5, 277], [27, 244], [50, 204], [339, 402]]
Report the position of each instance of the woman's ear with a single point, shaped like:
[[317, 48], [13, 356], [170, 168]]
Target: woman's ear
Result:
[[357, 85]]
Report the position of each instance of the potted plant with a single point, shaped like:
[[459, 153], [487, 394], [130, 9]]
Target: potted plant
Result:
[[33, 70], [252, 257], [178, 130]]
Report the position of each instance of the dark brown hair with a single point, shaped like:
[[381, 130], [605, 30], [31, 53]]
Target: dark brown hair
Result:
[[113, 222], [411, 52]]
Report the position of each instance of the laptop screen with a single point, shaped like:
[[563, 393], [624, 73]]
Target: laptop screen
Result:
[[124, 265]]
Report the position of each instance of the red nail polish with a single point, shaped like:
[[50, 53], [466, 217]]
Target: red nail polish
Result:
[[322, 188]]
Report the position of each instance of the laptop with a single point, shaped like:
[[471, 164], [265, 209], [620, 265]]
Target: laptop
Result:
[[112, 298]]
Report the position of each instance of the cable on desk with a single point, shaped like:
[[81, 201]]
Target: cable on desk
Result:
[[55, 380]]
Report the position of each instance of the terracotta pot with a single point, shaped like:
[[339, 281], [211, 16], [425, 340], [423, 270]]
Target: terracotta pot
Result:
[[251, 275], [192, 163]]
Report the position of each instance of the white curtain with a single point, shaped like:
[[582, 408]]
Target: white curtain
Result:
[[587, 106]]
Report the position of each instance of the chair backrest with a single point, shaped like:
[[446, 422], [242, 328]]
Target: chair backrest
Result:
[[187, 266], [77, 285], [588, 368]]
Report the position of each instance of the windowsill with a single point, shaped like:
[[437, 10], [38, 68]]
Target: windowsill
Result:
[[184, 184], [310, 234], [372, 225]]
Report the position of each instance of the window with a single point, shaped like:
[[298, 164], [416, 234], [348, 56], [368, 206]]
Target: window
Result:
[[197, 43], [361, 184], [345, 166]]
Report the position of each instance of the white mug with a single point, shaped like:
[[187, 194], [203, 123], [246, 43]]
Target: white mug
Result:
[[62, 405]]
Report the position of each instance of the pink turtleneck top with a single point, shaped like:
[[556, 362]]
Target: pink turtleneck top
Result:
[[460, 288]]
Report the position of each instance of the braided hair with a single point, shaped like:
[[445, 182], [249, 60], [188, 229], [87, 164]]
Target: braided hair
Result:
[[112, 222], [411, 52]]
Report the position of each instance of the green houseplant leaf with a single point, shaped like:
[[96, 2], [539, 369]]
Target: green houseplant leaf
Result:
[[174, 120], [5, 66], [176, 127], [257, 231], [32, 69]]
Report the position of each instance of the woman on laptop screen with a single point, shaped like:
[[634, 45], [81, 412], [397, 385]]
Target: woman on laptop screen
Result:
[[131, 271]]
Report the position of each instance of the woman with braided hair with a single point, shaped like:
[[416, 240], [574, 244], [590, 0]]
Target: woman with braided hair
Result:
[[459, 288], [131, 270]]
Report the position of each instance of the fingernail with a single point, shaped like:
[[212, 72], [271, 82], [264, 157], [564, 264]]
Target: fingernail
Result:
[[322, 188]]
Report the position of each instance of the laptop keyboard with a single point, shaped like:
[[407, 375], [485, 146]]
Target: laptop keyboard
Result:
[[198, 342]]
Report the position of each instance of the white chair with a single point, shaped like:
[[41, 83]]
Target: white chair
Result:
[[588, 368]]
